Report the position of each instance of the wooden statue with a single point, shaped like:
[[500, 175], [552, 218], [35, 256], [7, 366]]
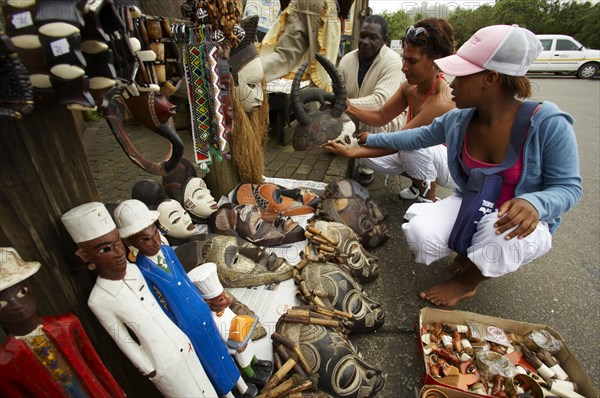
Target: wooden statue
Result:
[[179, 297], [235, 329], [44, 356], [124, 305]]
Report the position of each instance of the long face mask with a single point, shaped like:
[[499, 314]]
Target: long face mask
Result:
[[174, 220], [242, 264], [342, 370], [344, 294], [249, 88], [361, 264]]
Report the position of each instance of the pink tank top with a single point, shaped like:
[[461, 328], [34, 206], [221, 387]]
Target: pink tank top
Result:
[[511, 175]]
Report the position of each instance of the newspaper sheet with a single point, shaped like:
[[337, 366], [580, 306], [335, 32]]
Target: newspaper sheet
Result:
[[269, 302]]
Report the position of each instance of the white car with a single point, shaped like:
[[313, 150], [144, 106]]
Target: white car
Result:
[[564, 55]]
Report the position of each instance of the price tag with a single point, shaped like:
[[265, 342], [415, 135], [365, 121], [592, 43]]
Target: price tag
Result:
[[22, 20], [60, 47]]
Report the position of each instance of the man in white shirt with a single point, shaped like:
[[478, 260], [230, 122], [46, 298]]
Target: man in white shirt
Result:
[[372, 74]]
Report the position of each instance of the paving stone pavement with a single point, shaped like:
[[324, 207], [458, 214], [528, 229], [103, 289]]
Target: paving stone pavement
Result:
[[115, 174]]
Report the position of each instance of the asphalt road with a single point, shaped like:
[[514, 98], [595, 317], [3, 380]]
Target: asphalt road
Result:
[[561, 290]]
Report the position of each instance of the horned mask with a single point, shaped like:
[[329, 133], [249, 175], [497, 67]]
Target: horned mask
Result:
[[328, 123]]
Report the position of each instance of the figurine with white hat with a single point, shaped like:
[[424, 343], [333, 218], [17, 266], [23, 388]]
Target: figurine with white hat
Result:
[[235, 329], [121, 298], [180, 298], [56, 353]]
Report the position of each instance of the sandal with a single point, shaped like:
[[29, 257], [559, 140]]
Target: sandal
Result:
[[409, 193]]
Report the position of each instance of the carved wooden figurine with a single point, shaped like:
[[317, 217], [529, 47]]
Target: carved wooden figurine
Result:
[[235, 329], [179, 297], [123, 303], [44, 356]]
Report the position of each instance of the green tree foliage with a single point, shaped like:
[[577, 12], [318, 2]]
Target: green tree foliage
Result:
[[466, 21], [530, 14], [398, 22], [577, 19]]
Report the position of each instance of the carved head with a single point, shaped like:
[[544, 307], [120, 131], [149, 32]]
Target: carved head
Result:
[[342, 370], [99, 243], [17, 304], [317, 127], [150, 108]]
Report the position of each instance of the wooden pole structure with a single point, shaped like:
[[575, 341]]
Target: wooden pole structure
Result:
[[44, 172]]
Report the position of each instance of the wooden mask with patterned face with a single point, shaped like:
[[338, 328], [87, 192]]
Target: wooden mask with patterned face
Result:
[[341, 369]]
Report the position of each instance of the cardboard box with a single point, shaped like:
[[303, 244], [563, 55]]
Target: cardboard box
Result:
[[449, 392], [566, 358]]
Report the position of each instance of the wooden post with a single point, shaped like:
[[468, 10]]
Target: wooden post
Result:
[[44, 172]]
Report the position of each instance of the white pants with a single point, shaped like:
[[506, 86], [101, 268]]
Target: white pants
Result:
[[426, 164], [430, 224]]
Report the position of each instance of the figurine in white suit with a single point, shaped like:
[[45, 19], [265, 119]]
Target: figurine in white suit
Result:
[[122, 303]]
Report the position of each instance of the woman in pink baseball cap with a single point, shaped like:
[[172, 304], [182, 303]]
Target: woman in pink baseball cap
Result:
[[536, 187]]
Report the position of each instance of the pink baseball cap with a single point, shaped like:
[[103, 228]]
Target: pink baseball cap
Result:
[[506, 49]]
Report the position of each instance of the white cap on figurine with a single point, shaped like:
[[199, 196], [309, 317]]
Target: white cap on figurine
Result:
[[13, 269], [206, 278], [133, 216], [88, 221]]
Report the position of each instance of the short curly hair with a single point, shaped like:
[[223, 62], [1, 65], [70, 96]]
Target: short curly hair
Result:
[[436, 42]]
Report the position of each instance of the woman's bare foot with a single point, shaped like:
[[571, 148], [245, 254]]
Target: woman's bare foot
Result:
[[460, 264], [456, 289]]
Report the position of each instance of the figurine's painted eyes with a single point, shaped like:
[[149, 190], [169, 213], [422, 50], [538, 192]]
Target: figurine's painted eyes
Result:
[[23, 292], [175, 221], [105, 249]]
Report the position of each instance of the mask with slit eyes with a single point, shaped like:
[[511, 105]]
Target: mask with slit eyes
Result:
[[241, 263], [342, 370], [197, 198], [344, 294], [174, 220], [361, 264]]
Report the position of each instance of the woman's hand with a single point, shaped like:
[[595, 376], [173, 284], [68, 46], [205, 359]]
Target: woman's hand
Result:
[[362, 137], [517, 212], [338, 148]]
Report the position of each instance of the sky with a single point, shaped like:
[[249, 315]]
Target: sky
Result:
[[425, 7]]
